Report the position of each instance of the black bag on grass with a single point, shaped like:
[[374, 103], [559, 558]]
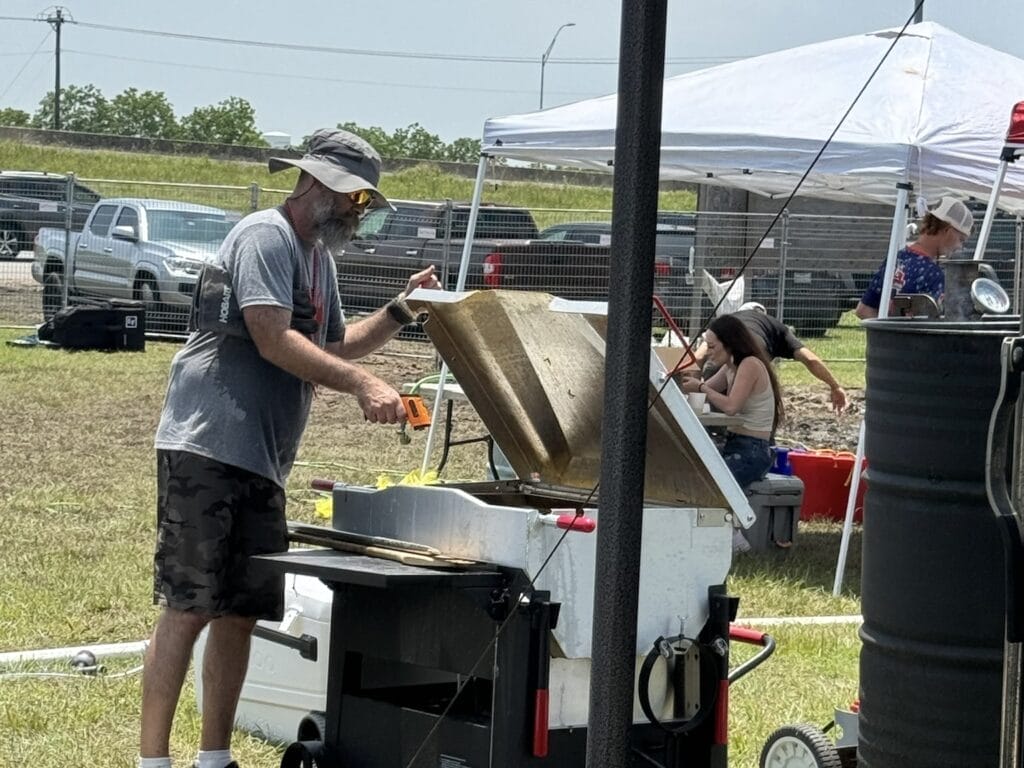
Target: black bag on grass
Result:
[[105, 325]]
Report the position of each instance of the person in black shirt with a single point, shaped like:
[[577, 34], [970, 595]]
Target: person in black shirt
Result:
[[779, 341]]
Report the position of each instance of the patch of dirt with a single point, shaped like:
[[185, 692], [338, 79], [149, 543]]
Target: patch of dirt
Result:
[[811, 423]]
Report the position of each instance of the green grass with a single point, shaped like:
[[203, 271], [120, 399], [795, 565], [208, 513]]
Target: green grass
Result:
[[77, 496], [843, 349], [424, 182]]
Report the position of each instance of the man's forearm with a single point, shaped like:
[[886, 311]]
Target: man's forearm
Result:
[[368, 335], [821, 372], [303, 359]]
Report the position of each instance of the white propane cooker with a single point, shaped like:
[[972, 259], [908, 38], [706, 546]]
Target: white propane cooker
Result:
[[533, 368]]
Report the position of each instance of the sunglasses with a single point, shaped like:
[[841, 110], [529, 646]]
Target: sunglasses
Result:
[[361, 197]]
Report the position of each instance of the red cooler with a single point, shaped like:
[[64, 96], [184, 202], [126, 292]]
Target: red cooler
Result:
[[827, 476]]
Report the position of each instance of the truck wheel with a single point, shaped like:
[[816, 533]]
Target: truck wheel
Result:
[[10, 241], [799, 746], [53, 293], [146, 292]]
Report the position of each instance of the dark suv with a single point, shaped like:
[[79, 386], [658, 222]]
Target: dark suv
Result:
[[31, 200]]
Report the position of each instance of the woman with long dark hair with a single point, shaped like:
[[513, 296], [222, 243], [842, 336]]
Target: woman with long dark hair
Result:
[[744, 385]]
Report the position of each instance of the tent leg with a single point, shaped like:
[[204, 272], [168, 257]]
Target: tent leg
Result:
[[990, 212], [896, 238], [851, 505], [460, 285]]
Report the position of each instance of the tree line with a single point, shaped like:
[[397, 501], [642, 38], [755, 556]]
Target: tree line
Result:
[[149, 114]]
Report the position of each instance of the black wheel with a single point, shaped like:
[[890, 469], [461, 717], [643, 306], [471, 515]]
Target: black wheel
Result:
[[799, 746], [146, 292], [53, 293], [312, 727], [11, 241]]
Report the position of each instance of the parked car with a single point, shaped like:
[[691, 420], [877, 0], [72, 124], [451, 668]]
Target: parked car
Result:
[[133, 248], [508, 252], [30, 200], [674, 244], [392, 244]]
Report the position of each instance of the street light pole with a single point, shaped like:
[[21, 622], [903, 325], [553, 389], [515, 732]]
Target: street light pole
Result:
[[544, 59]]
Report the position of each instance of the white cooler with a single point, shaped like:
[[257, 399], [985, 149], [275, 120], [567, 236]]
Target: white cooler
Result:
[[281, 687]]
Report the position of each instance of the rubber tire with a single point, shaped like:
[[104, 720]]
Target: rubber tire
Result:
[[53, 293], [147, 293], [312, 727], [11, 241], [799, 746]]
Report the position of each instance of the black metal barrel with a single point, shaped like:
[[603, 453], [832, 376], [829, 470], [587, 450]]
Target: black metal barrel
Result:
[[932, 578]]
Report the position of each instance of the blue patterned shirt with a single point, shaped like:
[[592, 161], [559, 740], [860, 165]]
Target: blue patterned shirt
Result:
[[915, 273]]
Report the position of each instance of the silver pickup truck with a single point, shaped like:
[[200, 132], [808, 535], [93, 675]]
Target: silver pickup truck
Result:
[[132, 248]]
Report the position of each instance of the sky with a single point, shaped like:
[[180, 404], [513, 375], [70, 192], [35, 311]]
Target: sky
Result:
[[445, 64]]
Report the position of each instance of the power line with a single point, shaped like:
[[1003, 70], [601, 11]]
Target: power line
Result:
[[532, 60], [27, 62], [315, 78]]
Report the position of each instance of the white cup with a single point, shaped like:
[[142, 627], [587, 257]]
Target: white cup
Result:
[[696, 401]]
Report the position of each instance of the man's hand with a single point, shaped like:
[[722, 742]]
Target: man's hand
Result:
[[839, 401], [423, 279], [380, 403]]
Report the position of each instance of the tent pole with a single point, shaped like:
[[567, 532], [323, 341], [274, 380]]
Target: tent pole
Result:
[[626, 384], [990, 212], [460, 285], [896, 237], [851, 504]]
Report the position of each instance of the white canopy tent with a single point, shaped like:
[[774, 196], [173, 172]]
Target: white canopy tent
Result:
[[934, 115], [933, 118]]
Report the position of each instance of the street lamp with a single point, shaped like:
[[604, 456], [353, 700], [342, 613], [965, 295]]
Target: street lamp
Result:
[[544, 59]]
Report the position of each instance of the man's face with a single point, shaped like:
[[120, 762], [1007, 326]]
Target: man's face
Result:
[[335, 218], [953, 241]]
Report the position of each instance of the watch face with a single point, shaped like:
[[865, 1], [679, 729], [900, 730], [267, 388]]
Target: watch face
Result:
[[989, 297]]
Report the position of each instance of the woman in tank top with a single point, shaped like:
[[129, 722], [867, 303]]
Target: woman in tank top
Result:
[[744, 385]]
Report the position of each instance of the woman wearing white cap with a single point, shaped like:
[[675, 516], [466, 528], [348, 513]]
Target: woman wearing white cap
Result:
[[943, 231]]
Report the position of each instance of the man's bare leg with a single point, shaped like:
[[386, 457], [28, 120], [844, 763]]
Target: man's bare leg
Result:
[[167, 659], [224, 665]]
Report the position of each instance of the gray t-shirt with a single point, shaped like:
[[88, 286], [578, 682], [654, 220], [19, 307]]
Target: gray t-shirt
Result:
[[224, 401]]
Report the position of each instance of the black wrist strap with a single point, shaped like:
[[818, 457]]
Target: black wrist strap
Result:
[[399, 314]]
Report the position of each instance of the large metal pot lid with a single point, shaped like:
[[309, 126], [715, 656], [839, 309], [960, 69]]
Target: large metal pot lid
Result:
[[533, 368]]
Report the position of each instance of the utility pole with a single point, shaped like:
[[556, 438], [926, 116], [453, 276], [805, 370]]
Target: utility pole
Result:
[[57, 19], [919, 12]]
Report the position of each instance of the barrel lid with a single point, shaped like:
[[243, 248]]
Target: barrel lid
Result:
[[533, 367]]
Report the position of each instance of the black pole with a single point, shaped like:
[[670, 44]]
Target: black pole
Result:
[[919, 13], [634, 220]]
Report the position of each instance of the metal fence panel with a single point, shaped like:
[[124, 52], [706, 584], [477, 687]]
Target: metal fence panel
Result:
[[148, 240]]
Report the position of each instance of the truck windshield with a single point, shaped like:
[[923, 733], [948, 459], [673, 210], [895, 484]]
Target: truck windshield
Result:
[[188, 227]]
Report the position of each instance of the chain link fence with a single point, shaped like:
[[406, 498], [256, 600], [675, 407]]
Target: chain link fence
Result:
[[147, 241]]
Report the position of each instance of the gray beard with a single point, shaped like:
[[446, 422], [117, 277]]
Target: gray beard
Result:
[[331, 231]]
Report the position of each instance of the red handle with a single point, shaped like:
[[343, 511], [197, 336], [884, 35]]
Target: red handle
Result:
[[321, 484], [540, 723], [746, 635], [581, 524], [570, 522]]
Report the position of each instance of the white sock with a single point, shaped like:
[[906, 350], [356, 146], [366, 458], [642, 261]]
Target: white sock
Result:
[[154, 762], [213, 758]]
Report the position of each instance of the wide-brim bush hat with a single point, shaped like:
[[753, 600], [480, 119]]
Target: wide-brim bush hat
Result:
[[341, 161]]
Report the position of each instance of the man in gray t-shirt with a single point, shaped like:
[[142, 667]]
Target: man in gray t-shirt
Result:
[[235, 410]]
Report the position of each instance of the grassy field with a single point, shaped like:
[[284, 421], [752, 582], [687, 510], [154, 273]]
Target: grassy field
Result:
[[76, 497], [420, 183]]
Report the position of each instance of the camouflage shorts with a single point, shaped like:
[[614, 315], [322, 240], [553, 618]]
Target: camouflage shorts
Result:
[[211, 517]]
